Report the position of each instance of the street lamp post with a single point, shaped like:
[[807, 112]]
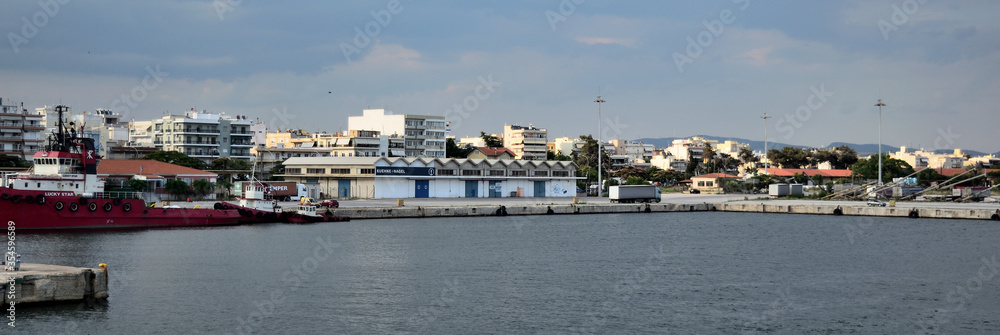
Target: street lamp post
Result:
[[766, 162], [880, 105], [600, 147]]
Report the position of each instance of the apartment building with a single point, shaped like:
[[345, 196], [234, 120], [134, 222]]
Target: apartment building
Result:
[[203, 135], [423, 135], [21, 131], [529, 143]]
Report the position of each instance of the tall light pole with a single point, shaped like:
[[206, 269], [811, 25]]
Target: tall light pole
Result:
[[766, 162], [879, 104], [600, 147]]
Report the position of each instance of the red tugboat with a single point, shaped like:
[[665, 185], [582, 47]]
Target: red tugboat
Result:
[[306, 213], [63, 192], [256, 204]]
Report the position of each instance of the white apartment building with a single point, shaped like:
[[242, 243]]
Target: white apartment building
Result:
[[203, 135], [567, 145], [528, 143], [633, 152], [921, 159], [21, 131], [423, 135]]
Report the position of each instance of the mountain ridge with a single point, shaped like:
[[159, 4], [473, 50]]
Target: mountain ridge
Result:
[[861, 149]]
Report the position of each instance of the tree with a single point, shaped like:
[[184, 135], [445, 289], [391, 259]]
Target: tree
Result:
[[227, 163], [552, 156], [13, 161], [891, 168], [666, 176], [789, 157], [138, 185], [452, 150], [630, 171], [177, 158], [177, 187], [817, 179], [635, 180], [203, 187], [276, 170], [746, 155], [491, 141], [588, 155], [927, 176]]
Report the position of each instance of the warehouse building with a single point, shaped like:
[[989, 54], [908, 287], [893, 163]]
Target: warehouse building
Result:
[[425, 177]]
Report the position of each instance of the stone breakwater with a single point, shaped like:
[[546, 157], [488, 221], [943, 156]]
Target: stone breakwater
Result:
[[42, 283], [543, 209]]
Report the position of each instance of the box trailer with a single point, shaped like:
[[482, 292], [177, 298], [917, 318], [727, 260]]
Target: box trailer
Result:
[[634, 193]]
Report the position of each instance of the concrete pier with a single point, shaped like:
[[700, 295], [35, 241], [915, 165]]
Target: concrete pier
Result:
[[774, 207], [41, 283]]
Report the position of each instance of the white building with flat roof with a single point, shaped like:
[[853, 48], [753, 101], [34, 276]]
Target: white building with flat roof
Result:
[[423, 135]]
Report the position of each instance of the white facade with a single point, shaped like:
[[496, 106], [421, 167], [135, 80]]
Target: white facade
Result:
[[203, 135], [21, 131], [423, 135], [528, 143]]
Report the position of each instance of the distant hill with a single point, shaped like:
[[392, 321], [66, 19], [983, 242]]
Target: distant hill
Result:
[[862, 149]]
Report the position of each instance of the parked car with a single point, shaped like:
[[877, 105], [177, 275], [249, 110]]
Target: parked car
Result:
[[876, 203], [329, 203], [694, 191]]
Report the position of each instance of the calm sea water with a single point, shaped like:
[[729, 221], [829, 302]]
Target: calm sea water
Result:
[[681, 273]]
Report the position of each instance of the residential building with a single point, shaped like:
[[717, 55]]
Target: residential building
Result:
[[267, 158], [412, 177], [920, 159], [203, 135], [492, 153], [566, 145], [423, 135], [633, 152], [473, 141], [709, 183], [526, 142], [21, 131], [140, 133]]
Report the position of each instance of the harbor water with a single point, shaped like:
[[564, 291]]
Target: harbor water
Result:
[[688, 273]]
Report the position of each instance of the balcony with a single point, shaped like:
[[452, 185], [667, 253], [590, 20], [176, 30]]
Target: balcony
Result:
[[197, 130]]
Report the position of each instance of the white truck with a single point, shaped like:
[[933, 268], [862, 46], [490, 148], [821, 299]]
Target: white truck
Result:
[[634, 193]]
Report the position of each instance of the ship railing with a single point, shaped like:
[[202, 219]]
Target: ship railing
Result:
[[118, 195]]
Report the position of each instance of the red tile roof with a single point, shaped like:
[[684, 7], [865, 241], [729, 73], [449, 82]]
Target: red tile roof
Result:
[[494, 152], [951, 172], [146, 167], [716, 175], [808, 172]]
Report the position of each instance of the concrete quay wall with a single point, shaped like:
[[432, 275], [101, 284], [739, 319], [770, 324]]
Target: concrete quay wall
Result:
[[900, 211], [491, 210], [42, 283], [773, 208]]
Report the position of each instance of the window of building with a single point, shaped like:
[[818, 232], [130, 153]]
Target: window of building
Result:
[[496, 172], [293, 171], [315, 171], [560, 173], [518, 173], [340, 171], [537, 173], [472, 172], [447, 172], [366, 171]]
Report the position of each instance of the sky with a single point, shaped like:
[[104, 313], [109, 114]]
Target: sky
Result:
[[663, 68]]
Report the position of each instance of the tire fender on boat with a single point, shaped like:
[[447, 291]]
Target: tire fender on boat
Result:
[[73, 207], [92, 206], [107, 206], [126, 207], [59, 205]]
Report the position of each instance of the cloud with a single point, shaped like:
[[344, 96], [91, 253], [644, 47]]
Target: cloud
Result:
[[625, 42]]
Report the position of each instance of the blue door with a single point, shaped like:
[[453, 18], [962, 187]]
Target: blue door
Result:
[[471, 188], [495, 189], [422, 189], [344, 188], [539, 189]]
